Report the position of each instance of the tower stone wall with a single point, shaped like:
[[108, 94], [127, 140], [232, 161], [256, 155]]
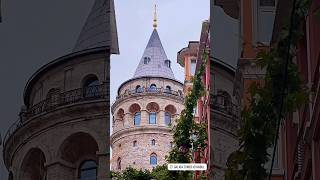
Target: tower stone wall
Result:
[[59, 130], [126, 133], [138, 140]]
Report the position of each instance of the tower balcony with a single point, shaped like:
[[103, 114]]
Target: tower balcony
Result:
[[90, 94], [147, 92], [222, 104]]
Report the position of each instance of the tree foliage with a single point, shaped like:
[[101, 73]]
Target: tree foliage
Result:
[[188, 135], [282, 89], [132, 174]]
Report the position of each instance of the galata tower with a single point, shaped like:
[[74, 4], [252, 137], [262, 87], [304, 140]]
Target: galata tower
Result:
[[144, 109]]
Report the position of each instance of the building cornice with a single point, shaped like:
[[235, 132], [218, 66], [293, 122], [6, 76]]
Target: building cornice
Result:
[[61, 60], [148, 77], [147, 129]]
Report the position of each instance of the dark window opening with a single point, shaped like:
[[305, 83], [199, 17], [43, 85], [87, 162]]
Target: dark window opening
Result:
[[90, 87], [193, 64], [139, 89], [267, 3], [167, 63], [119, 164], [153, 159], [168, 89], [153, 88], [146, 60], [88, 170]]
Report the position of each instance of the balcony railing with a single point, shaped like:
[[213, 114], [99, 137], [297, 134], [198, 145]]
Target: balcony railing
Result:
[[57, 100], [224, 105], [143, 91]]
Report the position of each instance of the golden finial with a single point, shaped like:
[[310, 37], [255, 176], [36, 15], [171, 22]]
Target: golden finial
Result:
[[155, 24]]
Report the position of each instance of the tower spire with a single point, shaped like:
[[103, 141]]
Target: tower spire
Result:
[[155, 21]]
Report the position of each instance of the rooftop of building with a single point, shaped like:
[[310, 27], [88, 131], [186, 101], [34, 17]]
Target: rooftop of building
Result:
[[154, 61]]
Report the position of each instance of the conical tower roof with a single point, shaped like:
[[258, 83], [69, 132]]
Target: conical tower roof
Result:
[[154, 61], [100, 28]]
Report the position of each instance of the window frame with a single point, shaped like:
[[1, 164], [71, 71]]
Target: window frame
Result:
[[134, 118], [119, 163], [153, 88], [138, 89], [155, 117], [81, 169], [257, 9], [153, 155], [193, 68], [90, 83], [168, 89], [167, 114]]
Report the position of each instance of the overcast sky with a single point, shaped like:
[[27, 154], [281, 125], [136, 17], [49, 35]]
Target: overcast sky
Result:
[[179, 21], [35, 32]]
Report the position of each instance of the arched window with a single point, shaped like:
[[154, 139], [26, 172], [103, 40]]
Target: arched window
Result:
[[120, 114], [137, 118], [134, 143], [167, 118], [153, 88], [193, 64], [138, 89], [153, 142], [152, 118], [90, 87], [153, 159], [119, 163], [168, 89], [88, 170]]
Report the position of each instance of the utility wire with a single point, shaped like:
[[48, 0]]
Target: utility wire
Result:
[[284, 87]]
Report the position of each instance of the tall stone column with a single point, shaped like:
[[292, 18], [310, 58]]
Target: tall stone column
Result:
[[161, 118], [144, 117], [103, 168], [126, 120]]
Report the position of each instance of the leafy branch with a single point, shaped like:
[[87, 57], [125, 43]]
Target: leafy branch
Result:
[[189, 136]]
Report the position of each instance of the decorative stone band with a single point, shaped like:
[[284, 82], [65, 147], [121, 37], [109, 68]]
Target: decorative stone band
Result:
[[69, 97], [92, 93], [145, 92], [140, 130]]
